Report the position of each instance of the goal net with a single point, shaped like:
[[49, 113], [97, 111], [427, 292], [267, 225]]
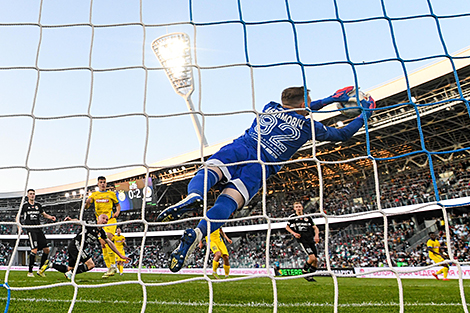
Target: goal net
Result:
[[85, 91]]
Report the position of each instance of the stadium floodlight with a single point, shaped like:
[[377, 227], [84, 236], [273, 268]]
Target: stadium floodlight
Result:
[[174, 53]]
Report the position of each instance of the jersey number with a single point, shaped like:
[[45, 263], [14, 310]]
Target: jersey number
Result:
[[267, 124]]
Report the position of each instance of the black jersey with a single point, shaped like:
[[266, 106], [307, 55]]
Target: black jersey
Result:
[[302, 225], [92, 234], [31, 214]]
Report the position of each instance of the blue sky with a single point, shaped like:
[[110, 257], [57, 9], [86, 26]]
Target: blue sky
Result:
[[88, 73]]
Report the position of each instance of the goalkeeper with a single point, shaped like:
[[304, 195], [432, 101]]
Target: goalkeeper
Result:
[[281, 130]]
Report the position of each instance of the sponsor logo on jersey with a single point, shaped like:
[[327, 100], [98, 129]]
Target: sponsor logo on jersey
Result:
[[102, 200]]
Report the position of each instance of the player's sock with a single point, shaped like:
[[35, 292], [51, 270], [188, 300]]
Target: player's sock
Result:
[[196, 185], [222, 209], [226, 270], [32, 258], [120, 268], [59, 267], [43, 258], [215, 266], [440, 271], [445, 270], [82, 268], [111, 258], [313, 269], [106, 256]]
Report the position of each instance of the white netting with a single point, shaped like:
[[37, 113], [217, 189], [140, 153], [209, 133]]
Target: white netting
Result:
[[83, 94]]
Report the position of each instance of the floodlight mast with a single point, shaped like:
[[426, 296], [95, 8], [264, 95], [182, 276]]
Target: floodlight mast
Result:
[[174, 53]]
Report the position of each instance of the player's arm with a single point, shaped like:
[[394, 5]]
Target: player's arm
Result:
[[115, 250], [225, 236], [341, 95], [88, 202], [50, 217], [296, 235], [325, 133], [68, 218], [317, 233], [118, 210]]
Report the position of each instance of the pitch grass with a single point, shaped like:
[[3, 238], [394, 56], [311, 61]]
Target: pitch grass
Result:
[[248, 295]]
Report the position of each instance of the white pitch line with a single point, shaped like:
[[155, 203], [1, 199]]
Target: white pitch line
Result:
[[250, 304]]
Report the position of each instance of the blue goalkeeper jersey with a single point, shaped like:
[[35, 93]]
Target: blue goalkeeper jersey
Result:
[[282, 133]]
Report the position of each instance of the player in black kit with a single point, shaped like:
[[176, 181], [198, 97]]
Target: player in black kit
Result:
[[303, 229], [31, 212], [92, 236]]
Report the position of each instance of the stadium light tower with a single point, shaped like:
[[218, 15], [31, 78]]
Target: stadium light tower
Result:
[[174, 53]]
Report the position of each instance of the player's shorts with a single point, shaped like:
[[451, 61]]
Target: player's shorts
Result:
[[309, 247], [247, 178], [118, 259], [37, 239], [72, 251], [436, 258], [218, 245]]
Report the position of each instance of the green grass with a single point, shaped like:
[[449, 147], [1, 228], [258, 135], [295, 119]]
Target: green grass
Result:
[[249, 295]]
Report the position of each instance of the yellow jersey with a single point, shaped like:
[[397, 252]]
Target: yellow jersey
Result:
[[434, 245], [119, 242], [104, 202]]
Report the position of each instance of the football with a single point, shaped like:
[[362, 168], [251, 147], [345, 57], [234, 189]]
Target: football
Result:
[[352, 103]]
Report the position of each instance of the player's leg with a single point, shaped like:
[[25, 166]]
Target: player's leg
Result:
[[445, 271], [243, 183], [72, 252], [108, 255], [224, 253], [42, 244], [230, 200], [215, 261], [437, 259], [110, 230], [32, 254], [216, 171], [226, 265], [86, 265]]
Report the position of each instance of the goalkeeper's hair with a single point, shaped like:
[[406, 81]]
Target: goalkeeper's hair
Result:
[[31, 190], [101, 178], [293, 95]]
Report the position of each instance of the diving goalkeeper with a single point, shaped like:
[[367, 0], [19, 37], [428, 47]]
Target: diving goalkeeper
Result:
[[281, 130]]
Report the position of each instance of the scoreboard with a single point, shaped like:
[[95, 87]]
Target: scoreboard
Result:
[[133, 193]]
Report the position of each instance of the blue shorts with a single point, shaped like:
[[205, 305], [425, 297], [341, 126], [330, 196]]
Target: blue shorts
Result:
[[247, 178]]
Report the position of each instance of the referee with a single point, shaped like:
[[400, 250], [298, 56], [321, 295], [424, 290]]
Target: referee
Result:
[[31, 211], [303, 229]]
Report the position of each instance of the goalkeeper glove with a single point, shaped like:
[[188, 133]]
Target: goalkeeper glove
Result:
[[341, 95], [368, 103]]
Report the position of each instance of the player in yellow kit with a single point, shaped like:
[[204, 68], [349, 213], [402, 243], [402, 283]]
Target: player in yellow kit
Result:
[[104, 201], [220, 250], [434, 249], [120, 242]]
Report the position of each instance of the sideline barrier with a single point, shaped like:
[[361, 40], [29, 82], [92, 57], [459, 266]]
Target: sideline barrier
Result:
[[411, 272], [188, 271]]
